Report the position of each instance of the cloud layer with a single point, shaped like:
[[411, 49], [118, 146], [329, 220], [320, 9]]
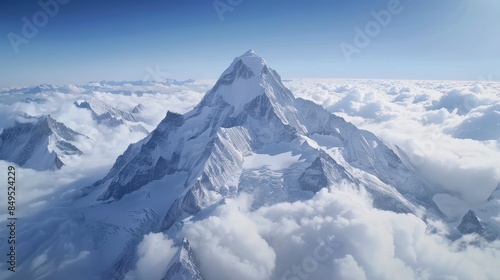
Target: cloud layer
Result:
[[448, 129], [154, 253], [106, 143], [335, 235]]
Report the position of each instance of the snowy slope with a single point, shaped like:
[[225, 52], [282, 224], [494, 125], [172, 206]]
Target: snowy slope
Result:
[[248, 134], [250, 114], [273, 146]]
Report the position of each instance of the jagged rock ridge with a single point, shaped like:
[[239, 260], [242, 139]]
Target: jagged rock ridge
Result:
[[105, 114], [472, 224], [38, 143], [183, 265], [247, 113]]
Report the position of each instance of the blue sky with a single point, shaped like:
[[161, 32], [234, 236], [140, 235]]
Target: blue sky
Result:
[[89, 40]]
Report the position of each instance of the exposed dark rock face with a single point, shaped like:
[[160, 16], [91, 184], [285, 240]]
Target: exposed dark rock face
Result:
[[472, 224]]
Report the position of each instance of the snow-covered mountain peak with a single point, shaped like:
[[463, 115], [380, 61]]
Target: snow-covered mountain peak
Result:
[[252, 61], [40, 88], [183, 265], [247, 65], [471, 223], [240, 83], [138, 109], [243, 120], [249, 52], [49, 121], [103, 113], [248, 87], [38, 143], [97, 106]]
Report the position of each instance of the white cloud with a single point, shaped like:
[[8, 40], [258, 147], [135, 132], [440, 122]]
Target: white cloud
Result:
[[289, 238], [106, 143], [228, 244], [482, 123], [154, 253], [284, 241], [6, 116], [348, 269], [402, 113], [457, 100], [363, 104]]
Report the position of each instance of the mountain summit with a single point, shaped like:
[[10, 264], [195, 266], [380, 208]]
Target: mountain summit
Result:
[[249, 123], [248, 135], [38, 143], [249, 79], [241, 82]]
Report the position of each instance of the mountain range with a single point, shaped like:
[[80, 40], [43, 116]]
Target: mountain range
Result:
[[248, 135], [105, 114]]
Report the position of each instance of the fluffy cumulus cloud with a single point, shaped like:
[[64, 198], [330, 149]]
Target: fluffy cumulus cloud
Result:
[[154, 252], [338, 234], [366, 105], [105, 143], [347, 268], [482, 123], [229, 243], [457, 100], [434, 123], [466, 168], [6, 116], [448, 130], [335, 235]]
